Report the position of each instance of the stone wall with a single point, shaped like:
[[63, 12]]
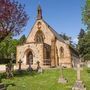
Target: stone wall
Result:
[[66, 61]]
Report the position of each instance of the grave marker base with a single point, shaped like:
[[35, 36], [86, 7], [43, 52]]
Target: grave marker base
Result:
[[62, 80], [79, 85]]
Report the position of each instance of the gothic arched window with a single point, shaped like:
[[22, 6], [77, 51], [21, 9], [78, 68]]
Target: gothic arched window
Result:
[[47, 53], [39, 37], [61, 52]]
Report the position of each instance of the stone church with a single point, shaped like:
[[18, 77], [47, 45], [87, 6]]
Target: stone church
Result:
[[45, 45]]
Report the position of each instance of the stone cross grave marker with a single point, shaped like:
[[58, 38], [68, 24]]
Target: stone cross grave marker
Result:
[[62, 79], [79, 85], [20, 63]]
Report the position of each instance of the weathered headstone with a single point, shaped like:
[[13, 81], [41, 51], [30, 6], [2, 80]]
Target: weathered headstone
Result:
[[79, 85], [39, 69], [20, 63], [62, 79], [30, 68], [38, 65]]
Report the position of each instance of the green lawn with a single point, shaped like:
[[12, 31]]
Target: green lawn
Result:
[[46, 81]]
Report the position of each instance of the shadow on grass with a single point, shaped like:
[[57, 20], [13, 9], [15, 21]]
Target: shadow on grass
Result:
[[17, 73], [24, 73], [21, 73]]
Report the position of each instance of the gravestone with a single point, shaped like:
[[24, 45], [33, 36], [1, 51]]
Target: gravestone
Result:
[[39, 69], [30, 68], [79, 85], [62, 79], [20, 63]]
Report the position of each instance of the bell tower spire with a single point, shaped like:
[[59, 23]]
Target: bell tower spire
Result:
[[39, 12]]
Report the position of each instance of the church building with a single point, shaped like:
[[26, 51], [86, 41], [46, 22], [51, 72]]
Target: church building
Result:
[[45, 45]]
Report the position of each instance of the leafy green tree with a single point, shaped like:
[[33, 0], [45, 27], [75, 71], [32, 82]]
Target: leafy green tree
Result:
[[86, 14], [84, 37], [86, 20], [81, 42], [81, 34], [68, 40], [22, 39], [7, 48], [65, 37], [87, 46]]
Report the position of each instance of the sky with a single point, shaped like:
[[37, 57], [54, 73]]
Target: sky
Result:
[[63, 15]]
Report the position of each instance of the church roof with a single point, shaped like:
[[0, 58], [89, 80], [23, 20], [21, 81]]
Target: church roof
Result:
[[60, 38], [54, 32]]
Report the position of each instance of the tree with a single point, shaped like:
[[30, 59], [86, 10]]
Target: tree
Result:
[[65, 37], [22, 39], [86, 14], [81, 34], [7, 48], [68, 40], [81, 42], [87, 46], [84, 44], [84, 36], [12, 18], [86, 20]]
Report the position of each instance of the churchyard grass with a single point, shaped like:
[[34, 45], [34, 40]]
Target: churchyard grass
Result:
[[48, 80]]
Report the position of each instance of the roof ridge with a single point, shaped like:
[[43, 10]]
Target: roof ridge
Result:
[[54, 32]]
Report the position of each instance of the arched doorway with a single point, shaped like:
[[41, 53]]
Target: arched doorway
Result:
[[29, 58]]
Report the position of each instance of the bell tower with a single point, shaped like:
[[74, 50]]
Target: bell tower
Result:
[[39, 12]]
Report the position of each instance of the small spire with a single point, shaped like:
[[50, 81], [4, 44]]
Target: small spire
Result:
[[39, 12]]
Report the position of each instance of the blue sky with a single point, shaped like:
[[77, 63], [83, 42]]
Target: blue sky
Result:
[[63, 15]]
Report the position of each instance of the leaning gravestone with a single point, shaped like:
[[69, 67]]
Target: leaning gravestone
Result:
[[79, 85], [62, 79]]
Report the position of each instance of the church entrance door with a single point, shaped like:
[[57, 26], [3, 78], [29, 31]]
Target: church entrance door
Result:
[[29, 58]]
